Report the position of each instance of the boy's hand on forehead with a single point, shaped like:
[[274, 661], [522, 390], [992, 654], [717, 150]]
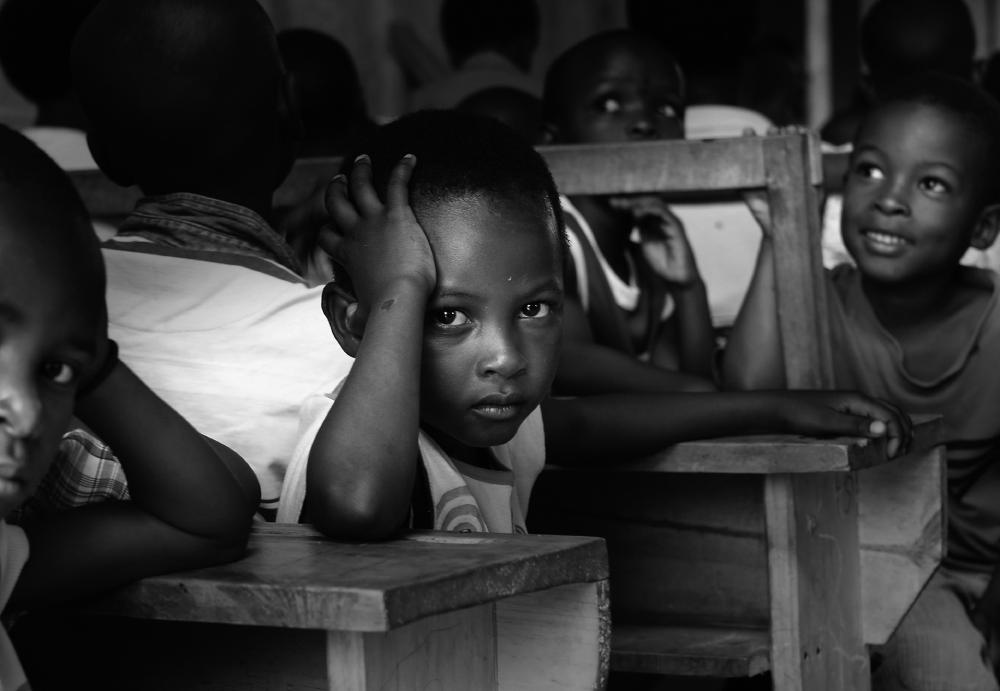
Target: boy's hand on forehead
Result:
[[661, 235], [380, 245]]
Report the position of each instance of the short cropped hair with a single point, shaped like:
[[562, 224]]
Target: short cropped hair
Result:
[[33, 185], [460, 153], [969, 104]]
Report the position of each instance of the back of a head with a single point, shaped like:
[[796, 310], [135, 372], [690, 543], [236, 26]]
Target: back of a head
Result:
[[35, 39], [972, 107], [62, 243], [588, 57], [905, 37], [461, 154], [510, 27], [181, 93]]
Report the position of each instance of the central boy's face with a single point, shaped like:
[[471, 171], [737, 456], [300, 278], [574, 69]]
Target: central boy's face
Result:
[[628, 95], [913, 192], [48, 333], [492, 336]]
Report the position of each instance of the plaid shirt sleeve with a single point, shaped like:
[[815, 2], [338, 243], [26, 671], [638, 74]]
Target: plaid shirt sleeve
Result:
[[85, 471]]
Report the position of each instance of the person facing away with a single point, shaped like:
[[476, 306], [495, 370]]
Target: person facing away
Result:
[[204, 296], [634, 290], [912, 325], [449, 293], [191, 499]]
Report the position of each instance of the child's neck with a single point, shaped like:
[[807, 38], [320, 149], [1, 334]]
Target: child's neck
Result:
[[610, 230], [903, 306], [480, 457]]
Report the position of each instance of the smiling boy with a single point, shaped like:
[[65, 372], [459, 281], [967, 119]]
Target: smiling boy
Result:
[[449, 294], [912, 325]]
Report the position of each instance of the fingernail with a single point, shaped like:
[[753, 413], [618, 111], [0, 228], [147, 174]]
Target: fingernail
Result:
[[409, 157], [362, 157], [877, 427], [339, 177]]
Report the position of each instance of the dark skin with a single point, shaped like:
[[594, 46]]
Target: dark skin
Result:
[[632, 91], [429, 319], [914, 202], [192, 499]]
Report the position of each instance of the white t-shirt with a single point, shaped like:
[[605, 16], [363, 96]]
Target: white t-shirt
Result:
[[13, 555], [234, 350]]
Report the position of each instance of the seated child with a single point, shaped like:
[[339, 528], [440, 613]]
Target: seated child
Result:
[[191, 499], [449, 293], [910, 324], [633, 286], [205, 297]]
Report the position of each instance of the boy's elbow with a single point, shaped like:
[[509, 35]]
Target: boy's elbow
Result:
[[356, 521]]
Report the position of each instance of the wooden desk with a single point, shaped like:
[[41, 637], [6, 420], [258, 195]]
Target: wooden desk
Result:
[[708, 573], [427, 611]]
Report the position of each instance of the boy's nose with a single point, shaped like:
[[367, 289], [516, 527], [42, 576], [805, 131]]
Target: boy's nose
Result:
[[502, 356], [20, 407], [642, 129], [891, 202]]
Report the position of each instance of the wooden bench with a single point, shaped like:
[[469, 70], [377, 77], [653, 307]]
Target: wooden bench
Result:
[[777, 554], [428, 610]]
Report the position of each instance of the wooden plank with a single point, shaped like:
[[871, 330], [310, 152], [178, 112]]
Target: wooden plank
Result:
[[814, 574], [554, 640], [700, 651], [294, 577], [769, 454], [454, 650]]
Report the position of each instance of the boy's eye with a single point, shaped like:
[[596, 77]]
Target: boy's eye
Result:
[[609, 104], [58, 372], [535, 310], [936, 185], [449, 317], [869, 170]]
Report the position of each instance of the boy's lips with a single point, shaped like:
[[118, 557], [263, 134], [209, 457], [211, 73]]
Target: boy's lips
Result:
[[11, 483], [884, 242], [499, 407]]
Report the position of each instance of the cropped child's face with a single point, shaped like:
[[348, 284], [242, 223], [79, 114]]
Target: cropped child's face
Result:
[[493, 327], [48, 333], [630, 93], [913, 192]]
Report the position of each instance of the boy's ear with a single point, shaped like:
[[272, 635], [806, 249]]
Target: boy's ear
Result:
[[340, 306], [987, 227]]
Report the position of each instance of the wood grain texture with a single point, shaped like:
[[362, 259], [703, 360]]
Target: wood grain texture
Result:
[[696, 651], [293, 577]]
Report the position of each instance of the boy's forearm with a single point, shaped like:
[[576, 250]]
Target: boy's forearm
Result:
[[363, 462], [696, 344], [753, 357], [589, 368], [174, 473], [598, 430]]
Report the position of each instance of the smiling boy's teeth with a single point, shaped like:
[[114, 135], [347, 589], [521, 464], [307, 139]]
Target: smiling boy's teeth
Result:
[[885, 238]]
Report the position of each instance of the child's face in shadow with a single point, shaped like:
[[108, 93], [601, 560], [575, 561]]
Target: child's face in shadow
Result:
[[913, 193], [494, 321], [48, 334], [630, 93]]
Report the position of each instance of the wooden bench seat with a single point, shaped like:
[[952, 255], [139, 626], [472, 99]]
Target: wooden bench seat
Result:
[[696, 651]]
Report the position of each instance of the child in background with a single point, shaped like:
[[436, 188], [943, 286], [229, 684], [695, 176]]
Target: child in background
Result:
[[449, 293], [191, 499], [633, 286], [912, 325]]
